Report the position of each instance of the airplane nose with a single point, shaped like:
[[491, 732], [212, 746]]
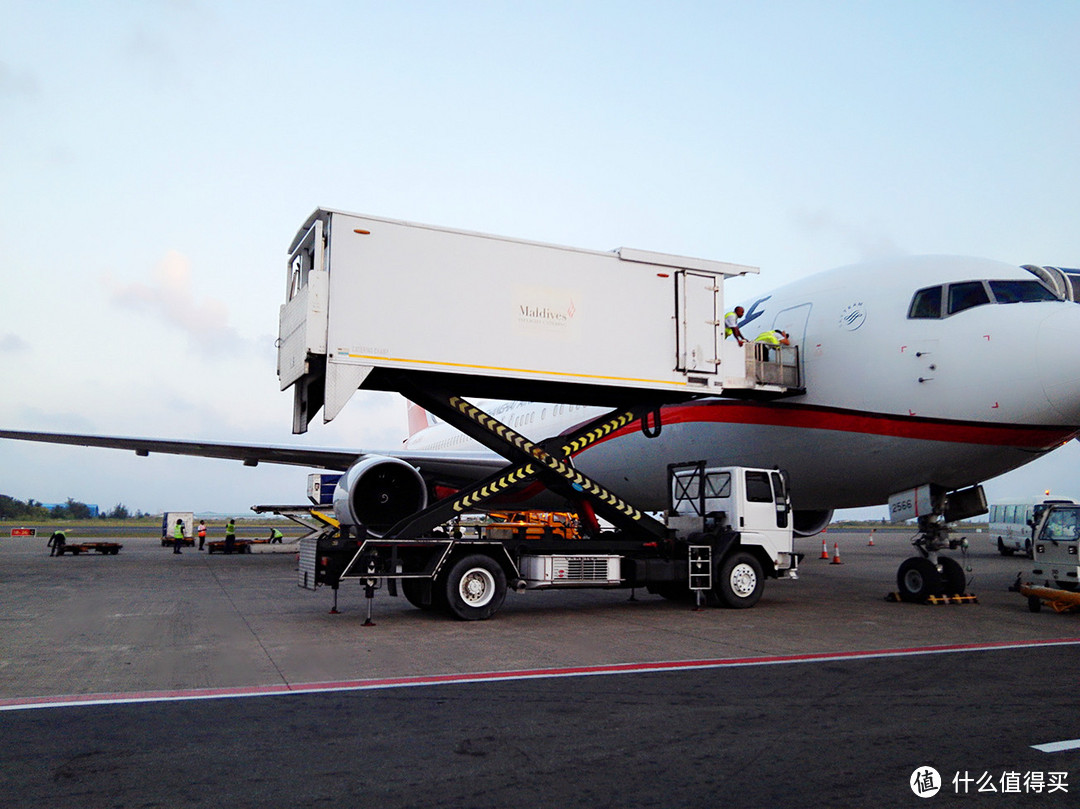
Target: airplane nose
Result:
[[1059, 361]]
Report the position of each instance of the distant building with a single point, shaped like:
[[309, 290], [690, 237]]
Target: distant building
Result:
[[92, 507]]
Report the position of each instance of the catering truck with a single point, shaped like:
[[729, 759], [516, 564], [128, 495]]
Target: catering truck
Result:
[[727, 530], [456, 322]]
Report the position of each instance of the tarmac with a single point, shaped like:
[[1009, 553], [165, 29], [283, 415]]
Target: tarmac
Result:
[[148, 621], [149, 679]]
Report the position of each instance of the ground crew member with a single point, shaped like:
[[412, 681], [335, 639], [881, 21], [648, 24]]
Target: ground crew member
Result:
[[202, 533], [775, 337], [56, 543], [731, 325], [772, 337], [275, 536], [178, 536], [230, 536]]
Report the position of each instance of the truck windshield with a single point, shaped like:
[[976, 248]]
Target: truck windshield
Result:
[[1061, 525]]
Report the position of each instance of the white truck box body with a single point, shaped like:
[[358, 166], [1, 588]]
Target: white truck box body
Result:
[[389, 295]]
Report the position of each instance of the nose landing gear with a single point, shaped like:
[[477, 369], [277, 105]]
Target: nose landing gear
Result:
[[930, 576]]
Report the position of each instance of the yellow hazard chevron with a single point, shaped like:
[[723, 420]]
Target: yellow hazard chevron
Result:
[[476, 496], [597, 433], [550, 461]]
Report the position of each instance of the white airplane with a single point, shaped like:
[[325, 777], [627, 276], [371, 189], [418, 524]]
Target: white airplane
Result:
[[919, 371]]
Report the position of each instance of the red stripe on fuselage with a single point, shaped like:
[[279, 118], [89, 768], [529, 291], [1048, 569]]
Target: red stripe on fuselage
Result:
[[777, 414]]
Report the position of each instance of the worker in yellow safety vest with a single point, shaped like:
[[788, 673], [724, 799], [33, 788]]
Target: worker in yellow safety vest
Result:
[[731, 325], [770, 338], [178, 536], [230, 536], [57, 542], [775, 337]]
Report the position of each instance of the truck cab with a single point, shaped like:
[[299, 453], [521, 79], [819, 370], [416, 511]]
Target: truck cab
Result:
[[735, 511]]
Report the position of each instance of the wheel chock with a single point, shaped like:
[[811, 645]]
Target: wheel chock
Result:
[[937, 601]]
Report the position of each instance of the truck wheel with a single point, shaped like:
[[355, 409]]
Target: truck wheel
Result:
[[740, 581], [918, 579], [954, 580], [1034, 604], [1002, 549], [413, 590], [475, 588]]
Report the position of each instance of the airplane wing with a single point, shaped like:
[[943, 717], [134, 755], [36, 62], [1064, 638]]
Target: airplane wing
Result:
[[450, 468]]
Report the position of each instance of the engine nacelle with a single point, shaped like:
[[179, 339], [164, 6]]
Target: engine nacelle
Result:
[[808, 523], [378, 492]]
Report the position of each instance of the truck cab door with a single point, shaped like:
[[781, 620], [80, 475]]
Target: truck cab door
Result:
[[765, 508]]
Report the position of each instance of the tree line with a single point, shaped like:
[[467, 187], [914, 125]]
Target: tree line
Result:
[[12, 509]]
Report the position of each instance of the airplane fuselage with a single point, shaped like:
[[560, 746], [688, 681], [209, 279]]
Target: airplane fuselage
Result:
[[892, 401]]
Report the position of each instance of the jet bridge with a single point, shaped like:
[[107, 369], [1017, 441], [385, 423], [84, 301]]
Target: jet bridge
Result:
[[388, 305]]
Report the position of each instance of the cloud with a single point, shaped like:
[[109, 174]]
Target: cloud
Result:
[[17, 83], [867, 243], [170, 300], [12, 344]]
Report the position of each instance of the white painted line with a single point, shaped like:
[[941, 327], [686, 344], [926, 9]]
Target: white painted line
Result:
[[1057, 747]]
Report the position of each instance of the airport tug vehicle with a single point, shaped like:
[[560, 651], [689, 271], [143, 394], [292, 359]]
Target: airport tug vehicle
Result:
[[1054, 578], [439, 315]]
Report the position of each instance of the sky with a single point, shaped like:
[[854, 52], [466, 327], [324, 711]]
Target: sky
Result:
[[156, 159]]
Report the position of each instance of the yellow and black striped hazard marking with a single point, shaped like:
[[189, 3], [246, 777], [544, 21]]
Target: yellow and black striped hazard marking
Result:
[[491, 489], [594, 435], [565, 471]]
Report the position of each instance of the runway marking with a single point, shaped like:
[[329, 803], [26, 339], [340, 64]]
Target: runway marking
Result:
[[415, 681], [1057, 747]]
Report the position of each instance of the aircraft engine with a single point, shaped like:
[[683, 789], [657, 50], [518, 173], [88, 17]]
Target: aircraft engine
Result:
[[808, 523], [377, 492]]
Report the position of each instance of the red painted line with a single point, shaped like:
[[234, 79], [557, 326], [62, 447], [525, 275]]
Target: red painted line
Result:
[[117, 698], [779, 414]]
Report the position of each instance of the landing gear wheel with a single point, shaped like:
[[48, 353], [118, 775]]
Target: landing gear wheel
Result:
[[918, 579], [740, 581], [953, 578], [475, 588]]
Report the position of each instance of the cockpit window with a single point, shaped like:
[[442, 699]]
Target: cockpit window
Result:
[[1020, 292], [926, 303], [966, 295]]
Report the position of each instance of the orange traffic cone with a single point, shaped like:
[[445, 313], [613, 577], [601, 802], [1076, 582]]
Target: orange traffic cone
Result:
[[836, 554], [871, 542], [824, 549]]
